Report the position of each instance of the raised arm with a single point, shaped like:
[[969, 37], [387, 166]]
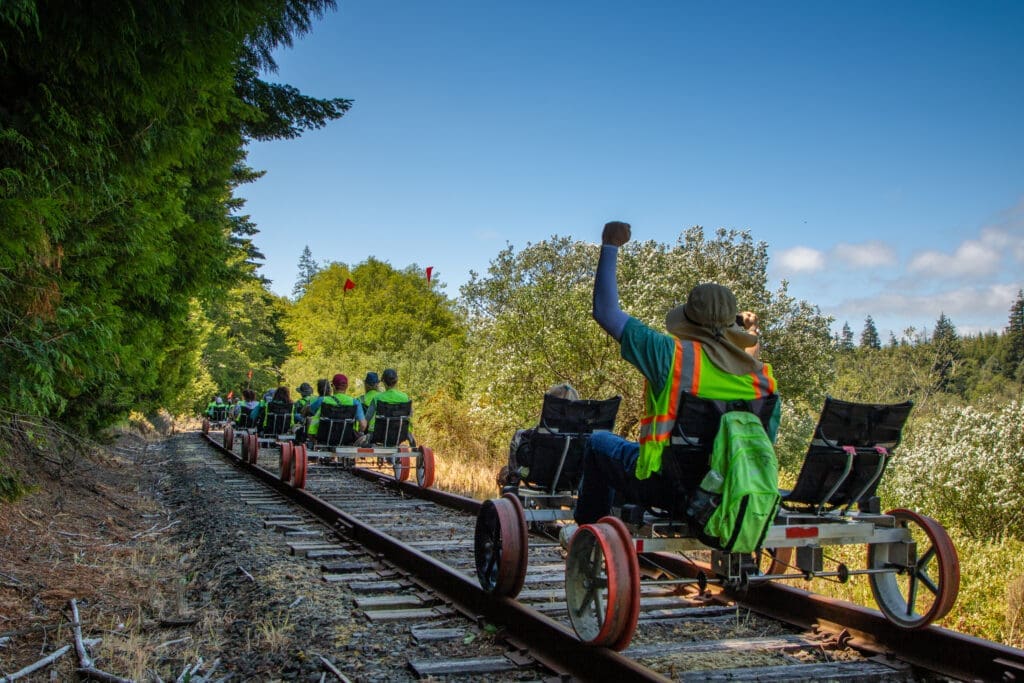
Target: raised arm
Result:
[[606, 290]]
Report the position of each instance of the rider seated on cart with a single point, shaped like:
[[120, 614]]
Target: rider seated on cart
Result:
[[509, 474], [391, 396], [277, 414], [707, 353], [244, 418], [337, 398]]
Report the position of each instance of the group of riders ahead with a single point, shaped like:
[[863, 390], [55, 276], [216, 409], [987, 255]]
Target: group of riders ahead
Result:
[[276, 413]]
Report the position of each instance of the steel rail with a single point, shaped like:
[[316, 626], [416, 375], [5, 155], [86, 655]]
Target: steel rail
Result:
[[933, 648], [547, 641]]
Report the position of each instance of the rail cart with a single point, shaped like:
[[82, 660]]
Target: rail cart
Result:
[[391, 445], [546, 476], [912, 565], [217, 420]]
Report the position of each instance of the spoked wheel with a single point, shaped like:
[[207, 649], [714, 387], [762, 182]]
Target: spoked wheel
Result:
[[229, 437], [287, 459], [500, 546], [925, 583], [206, 426], [774, 560], [401, 467], [425, 468], [254, 449], [299, 467], [602, 584]]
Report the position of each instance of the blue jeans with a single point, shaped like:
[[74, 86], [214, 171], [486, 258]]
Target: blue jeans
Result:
[[609, 467]]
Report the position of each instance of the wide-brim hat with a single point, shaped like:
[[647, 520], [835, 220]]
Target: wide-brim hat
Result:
[[305, 389], [709, 316], [711, 307]]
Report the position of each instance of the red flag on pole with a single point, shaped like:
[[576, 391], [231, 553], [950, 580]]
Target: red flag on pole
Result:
[[250, 374], [349, 284], [231, 395], [430, 270], [298, 347]]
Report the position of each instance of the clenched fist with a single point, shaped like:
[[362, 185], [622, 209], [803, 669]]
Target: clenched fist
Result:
[[615, 233]]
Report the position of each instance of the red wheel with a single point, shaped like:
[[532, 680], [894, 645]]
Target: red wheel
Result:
[[301, 463], [425, 468], [287, 457], [599, 588], [229, 437], [254, 449], [774, 560], [925, 576], [633, 613], [501, 546], [244, 447], [206, 425]]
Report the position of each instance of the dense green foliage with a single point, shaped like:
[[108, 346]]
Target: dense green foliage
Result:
[[121, 133]]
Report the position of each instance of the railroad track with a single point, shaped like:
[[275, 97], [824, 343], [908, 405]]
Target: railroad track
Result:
[[409, 552]]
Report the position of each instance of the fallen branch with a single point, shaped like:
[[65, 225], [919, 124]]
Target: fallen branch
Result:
[[173, 642], [97, 675], [250, 576], [334, 670], [45, 661], [83, 657], [189, 672]]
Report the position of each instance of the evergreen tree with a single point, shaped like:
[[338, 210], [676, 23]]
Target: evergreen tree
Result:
[[846, 338], [307, 269], [946, 346], [1013, 358], [869, 335]]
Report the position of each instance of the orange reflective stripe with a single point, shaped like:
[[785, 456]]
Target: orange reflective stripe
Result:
[[695, 373]]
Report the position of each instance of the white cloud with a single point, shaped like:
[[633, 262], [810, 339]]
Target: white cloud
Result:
[[867, 255], [801, 260], [971, 258]]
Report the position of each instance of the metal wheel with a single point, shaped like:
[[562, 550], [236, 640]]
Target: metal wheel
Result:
[[926, 579], [599, 588], [425, 468], [206, 425], [500, 546], [287, 460], [254, 449], [244, 447], [300, 466], [229, 437], [401, 467], [633, 613]]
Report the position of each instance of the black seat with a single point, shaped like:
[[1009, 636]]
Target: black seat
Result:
[[279, 418], [219, 413], [337, 425], [553, 457], [391, 423], [244, 420], [851, 446]]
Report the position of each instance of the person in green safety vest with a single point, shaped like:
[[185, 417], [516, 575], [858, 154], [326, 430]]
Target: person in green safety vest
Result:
[[707, 353], [217, 402], [338, 397], [371, 389]]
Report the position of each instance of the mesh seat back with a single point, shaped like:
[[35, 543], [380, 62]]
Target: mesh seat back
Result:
[[391, 423], [220, 413], [245, 420], [849, 451], [337, 425], [279, 417], [555, 448]]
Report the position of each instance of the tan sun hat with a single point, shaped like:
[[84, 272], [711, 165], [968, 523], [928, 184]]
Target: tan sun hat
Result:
[[709, 316]]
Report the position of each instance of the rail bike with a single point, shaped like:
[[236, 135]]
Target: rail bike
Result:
[[217, 420], [911, 563], [390, 446]]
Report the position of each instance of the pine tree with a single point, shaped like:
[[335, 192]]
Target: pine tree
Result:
[[869, 336], [948, 354], [307, 270], [1014, 350], [846, 338]]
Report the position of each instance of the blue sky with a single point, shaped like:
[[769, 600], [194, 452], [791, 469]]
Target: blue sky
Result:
[[876, 147]]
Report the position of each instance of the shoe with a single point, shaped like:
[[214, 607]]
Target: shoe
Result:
[[566, 534]]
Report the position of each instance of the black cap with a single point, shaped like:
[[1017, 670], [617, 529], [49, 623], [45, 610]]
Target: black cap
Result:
[[390, 376]]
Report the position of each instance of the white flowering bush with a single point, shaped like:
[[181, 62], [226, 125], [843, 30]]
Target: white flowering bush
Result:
[[964, 466]]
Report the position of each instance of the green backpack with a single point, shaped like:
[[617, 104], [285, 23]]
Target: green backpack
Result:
[[748, 484]]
